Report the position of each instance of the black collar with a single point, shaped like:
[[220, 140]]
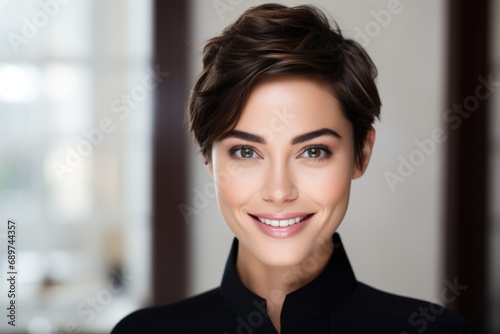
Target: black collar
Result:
[[327, 290]]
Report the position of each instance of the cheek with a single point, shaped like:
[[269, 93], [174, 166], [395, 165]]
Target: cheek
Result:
[[327, 186], [234, 185]]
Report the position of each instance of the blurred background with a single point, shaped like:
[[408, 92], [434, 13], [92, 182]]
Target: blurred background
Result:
[[114, 209]]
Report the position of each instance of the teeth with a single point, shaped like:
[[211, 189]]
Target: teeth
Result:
[[281, 223]]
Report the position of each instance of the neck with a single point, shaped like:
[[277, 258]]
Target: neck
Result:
[[274, 283]]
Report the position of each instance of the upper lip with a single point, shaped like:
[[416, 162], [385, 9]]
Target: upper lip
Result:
[[280, 216]]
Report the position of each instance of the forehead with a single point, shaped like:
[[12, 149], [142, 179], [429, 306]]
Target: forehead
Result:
[[293, 102]]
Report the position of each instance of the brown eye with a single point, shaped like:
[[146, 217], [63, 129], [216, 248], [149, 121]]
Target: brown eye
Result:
[[317, 152], [314, 152], [242, 152], [246, 152]]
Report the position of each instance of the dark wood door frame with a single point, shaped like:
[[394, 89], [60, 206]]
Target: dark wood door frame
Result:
[[170, 249], [467, 157]]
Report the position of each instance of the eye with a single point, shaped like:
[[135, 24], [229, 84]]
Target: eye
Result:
[[317, 152], [242, 152]]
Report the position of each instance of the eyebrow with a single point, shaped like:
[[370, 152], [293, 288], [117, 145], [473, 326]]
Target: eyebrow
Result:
[[295, 140]]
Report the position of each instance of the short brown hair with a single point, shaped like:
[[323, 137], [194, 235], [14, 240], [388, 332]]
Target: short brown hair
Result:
[[273, 40]]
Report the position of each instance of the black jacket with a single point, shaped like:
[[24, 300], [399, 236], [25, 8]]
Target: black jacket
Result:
[[334, 302]]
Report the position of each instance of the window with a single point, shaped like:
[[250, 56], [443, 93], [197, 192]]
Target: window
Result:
[[76, 85]]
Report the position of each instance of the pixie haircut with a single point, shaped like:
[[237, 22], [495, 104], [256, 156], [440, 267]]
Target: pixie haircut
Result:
[[272, 41]]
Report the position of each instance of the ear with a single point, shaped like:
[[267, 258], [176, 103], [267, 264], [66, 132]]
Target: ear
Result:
[[359, 170], [208, 162]]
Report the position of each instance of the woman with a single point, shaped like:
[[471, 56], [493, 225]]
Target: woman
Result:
[[283, 112]]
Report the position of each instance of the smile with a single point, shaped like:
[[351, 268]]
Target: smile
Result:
[[282, 222]]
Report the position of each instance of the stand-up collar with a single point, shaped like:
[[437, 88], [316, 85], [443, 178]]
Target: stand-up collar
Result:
[[332, 285]]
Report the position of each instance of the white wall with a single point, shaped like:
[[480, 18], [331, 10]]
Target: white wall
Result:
[[393, 238]]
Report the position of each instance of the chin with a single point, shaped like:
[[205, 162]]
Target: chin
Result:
[[282, 261], [282, 255]]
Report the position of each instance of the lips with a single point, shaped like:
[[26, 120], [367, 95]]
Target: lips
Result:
[[290, 225], [281, 222], [273, 221]]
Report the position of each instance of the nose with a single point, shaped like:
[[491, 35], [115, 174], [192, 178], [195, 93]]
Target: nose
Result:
[[279, 184]]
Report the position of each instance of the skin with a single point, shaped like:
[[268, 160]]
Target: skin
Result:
[[277, 176]]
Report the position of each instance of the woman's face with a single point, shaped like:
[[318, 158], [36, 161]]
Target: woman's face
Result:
[[291, 155]]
